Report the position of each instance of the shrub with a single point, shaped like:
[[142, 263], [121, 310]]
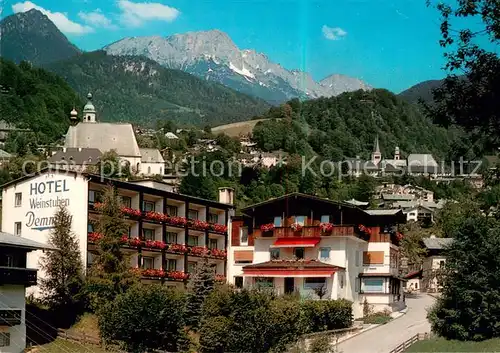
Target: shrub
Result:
[[214, 334], [322, 315], [377, 318], [144, 317], [321, 344]]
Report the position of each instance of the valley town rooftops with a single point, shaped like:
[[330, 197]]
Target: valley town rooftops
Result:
[[437, 243], [77, 156]]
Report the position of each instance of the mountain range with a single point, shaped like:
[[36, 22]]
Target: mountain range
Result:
[[213, 56]]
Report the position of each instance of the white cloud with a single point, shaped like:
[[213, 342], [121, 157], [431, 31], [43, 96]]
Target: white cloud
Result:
[[60, 19], [333, 33], [134, 14], [96, 19]]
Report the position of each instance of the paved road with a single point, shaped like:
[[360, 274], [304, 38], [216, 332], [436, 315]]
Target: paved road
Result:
[[386, 337]]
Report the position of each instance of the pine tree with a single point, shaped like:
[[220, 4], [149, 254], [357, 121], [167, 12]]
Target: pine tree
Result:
[[62, 285], [110, 274], [200, 285]]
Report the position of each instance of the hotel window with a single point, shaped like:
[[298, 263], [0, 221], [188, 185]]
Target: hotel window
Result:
[[372, 285], [213, 218], [238, 281], [193, 214], [325, 219], [277, 221], [90, 227], [148, 234], [300, 220], [172, 237], [172, 210], [264, 282], [324, 253], [313, 283], [212, 243], [192, 240], [298, 253], [191, 266], [171, 264], [94, 196], [126, 201], [4, 339], [148, 206], [243, 236], [148, 262], [274, 254], [129, 231], [17, 229], [19, 199]]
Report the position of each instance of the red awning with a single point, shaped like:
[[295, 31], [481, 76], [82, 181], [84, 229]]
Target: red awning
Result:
[[294, 242]]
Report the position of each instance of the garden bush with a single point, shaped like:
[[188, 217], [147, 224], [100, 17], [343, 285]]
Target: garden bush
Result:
[[323, 315]]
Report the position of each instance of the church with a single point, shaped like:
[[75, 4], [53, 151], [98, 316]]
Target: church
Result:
[[89, 134]]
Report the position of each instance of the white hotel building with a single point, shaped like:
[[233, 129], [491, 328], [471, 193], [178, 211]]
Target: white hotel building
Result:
[[300, 243], [168, 233]]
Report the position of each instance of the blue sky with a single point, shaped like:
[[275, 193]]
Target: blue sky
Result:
[[388, 43]]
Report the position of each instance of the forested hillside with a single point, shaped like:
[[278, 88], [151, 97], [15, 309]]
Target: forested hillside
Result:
[[346, 126], [139, 90], [36, 99]]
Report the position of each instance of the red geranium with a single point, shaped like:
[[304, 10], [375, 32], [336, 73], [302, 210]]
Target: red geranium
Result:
[[155, 244], [267, 227], [399, 236], [153, 272], [198, 251], [177, 248], [98, 206], [177, 275], [155, 216], [131, 212], [197, 224], [218, 253], [135, 242], [363, 229], [220, 278], [177, 221], [94, 237], [219, 228], [296, 227], [326, 227]]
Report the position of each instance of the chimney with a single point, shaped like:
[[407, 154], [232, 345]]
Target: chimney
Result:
[[226, 195]]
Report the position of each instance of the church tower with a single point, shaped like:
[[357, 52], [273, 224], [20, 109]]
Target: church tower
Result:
[[376, 155], [73, 117], [397, 156], [89, 111]]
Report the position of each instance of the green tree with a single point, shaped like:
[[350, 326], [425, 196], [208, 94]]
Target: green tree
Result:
[[63, 283], [110, 274], [200, 285], [110, 166], [411, 245], [470, 93], [469, 307], [145, 317]]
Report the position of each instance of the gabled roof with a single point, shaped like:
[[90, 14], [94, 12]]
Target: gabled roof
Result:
[[390, 212], [357, 203], [151, 155], [437, 243], [78, 156], [10, 240], [398, 196]]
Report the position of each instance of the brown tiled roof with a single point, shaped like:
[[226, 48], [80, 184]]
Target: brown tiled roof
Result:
[[292, 264]]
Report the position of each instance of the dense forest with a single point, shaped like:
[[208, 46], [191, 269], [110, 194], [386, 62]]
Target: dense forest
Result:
[[35, 99], [139, 90], [347, 125]]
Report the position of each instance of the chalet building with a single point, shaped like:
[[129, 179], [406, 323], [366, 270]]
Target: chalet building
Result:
[[168, 233], [320, 249], [434, 263], [15, 277]]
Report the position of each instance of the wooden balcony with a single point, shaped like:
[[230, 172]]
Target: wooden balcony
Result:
[[306, 231], [16, 275]]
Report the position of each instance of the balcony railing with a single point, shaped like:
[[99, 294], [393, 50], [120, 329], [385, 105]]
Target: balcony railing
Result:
[[16, 275], [306, 231]]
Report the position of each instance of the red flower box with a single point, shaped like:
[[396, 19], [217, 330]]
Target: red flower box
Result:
[[153, 272], [94, 237], [155, 216], [98, 206], [131, 212], [155, 244], [220, 278], [198, 251], [267, 227], [326, 227], [177, 248], [218, 253], [134, 242], [176, 221], [197, 224], [296, 227], [177, 275], [219, 228]]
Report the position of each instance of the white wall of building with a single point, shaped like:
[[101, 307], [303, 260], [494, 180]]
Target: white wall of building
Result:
[[41, 196], [150, 169], [12, 297]]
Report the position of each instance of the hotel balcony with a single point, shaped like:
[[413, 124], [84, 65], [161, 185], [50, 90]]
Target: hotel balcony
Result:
[[313, 231], [17, 276]]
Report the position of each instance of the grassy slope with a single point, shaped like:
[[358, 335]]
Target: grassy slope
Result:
[[63, 346], [442, 345], [236, 129]]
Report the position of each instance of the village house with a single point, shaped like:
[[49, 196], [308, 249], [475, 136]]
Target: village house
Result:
[[15, 277], [320, 249], [168, 233], [434, 263]]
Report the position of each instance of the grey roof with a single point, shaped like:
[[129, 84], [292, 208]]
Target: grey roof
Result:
[[383, 212], [357, 203], [424, 159], [105, 137], [151, 155], [19, 242], [437, 243], [78, 156], [171, 135], [397, 163]]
